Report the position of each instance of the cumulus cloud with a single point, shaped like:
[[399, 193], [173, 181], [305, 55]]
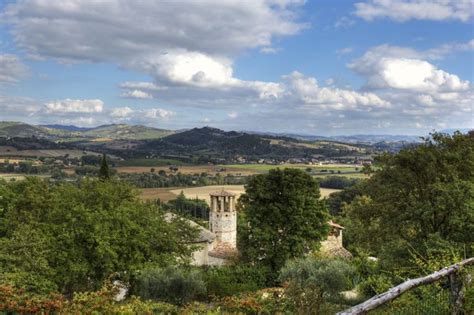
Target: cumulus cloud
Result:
[[384, 70], [121, 112], [418, 90], [138, 94], [154, 113], [11, 69], [307, 90], [127, 113], [74, 106], [404, 10], [192, 45]]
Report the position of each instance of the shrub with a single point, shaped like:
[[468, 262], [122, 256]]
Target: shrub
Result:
[[16, 301], [310, 282], [172, 285], [231, 280]]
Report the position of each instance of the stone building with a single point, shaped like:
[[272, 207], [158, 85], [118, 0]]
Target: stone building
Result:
[[332, 246], [218, 244]]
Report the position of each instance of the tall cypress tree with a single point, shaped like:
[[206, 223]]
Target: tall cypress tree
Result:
[[104, 172]]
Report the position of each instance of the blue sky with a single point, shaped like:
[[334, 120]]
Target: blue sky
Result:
[[314, 67]]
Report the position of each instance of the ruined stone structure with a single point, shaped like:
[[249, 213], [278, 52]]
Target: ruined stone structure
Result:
[[332, 246]]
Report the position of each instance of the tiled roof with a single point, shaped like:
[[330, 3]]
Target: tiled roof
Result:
[[332, 224]]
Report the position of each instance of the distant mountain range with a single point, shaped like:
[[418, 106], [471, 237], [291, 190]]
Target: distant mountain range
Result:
[[196, 137]]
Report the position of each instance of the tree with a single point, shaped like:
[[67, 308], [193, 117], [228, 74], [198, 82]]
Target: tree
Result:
[[104, 171], [74, 237], [422, 197], [282, 217]]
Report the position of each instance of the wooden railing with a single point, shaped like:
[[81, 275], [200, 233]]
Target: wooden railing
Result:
[[393, 293]]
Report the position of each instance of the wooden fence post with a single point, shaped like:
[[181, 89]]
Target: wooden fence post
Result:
[[398, 290]]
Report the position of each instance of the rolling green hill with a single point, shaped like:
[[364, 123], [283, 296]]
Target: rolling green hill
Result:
[[58, 132]]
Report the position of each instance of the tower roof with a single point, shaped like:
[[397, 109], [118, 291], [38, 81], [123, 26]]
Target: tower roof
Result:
[[222, 193]]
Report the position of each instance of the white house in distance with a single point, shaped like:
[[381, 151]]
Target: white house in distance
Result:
[[218, 244]]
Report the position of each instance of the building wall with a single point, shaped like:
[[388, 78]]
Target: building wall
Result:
[[333, 241], [201, 255]]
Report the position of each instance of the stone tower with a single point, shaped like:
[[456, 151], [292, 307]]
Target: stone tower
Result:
[[223, 218]]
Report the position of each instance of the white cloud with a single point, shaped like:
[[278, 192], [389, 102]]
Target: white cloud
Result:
[[418, 90], [154, 113], [307, 90], [11, 69], [344, 22], [191, 45], [436, 53], [404, 10], [74, 106], [127, 113], [142, 86], [136, 94], [344, 51], [14, 107], [121, 112], [122, 29], [233, 115], [269, 50], [384, 71]]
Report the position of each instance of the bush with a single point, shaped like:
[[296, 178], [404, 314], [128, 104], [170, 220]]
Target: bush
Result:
[[311, 282], [172, 285], [231, 280]]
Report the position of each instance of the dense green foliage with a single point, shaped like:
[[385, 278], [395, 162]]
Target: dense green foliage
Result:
[[174, 285], [161, 179], [337, 182], [232, 280], [312, 281], [70, 238], [194, 208], [419, 200], [281, 218]]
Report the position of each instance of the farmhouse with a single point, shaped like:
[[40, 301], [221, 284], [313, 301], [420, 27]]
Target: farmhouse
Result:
[[218, 244]]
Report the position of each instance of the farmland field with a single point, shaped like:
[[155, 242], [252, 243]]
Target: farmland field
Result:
[[243, 169], [11, 176], [166, 194], [6, 151]]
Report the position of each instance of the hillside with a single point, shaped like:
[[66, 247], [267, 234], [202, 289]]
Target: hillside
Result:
[[73, 133], [18, 129], [211, 144], [123, 131]]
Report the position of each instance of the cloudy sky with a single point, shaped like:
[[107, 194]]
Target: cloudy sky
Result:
[[317, 67]]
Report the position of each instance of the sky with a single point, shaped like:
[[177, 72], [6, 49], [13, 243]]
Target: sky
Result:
[[321, 67]]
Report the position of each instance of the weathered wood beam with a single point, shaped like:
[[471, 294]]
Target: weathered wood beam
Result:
[[395, 292]]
